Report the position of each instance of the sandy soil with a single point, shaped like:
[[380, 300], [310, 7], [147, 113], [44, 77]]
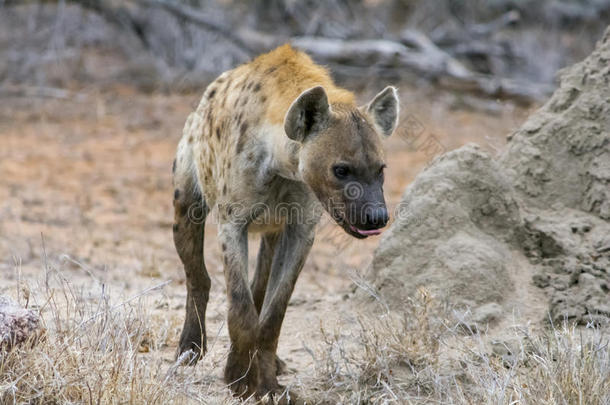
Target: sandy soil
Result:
[[85, 187]]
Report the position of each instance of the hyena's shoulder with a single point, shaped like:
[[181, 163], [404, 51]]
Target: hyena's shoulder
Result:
[[263, 89]]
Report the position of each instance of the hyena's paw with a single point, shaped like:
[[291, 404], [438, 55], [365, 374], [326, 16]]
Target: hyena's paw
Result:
[[269, 390], [241, 374], [192, 346], [277, 394]]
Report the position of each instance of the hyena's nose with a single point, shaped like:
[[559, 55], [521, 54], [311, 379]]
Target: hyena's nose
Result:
[[377, 217]]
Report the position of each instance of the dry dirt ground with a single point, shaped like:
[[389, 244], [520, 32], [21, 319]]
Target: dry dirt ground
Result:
[[85, 193]]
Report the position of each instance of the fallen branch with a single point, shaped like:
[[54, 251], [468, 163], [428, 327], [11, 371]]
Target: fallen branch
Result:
[[429, 62]]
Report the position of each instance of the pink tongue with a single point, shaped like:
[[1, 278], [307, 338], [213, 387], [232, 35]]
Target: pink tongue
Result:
[[363, 232]]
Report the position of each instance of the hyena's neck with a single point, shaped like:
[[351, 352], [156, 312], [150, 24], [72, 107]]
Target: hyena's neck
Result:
[[284, 152]]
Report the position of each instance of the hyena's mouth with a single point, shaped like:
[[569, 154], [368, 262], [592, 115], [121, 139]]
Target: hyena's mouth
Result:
[[350, 229], [365, 232]]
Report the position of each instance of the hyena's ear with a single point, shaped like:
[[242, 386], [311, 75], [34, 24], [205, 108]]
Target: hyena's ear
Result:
[[383, 109], [307, 115]]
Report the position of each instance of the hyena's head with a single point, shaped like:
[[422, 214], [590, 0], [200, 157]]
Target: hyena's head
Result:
[[341, 156]]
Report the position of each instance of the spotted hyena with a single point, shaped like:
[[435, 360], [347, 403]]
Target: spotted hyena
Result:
[[272, 144]]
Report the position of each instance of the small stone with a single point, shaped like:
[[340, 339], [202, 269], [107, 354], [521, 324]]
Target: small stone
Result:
[[17, 324]]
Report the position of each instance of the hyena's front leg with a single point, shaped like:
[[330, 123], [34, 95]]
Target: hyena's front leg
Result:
[[261, 277], [295, 242], [263, 268], [241, 371]]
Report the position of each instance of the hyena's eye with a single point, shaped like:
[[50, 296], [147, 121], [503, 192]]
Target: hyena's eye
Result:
[[341, 171]]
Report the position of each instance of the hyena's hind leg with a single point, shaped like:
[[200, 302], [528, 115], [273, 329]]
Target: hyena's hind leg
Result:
[[190, 211]]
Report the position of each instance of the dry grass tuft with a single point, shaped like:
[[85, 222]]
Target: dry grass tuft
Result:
[[420, 356], [385, 359], [97, 351]]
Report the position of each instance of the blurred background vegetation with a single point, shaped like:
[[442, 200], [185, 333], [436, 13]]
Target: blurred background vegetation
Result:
[[499, 48]]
